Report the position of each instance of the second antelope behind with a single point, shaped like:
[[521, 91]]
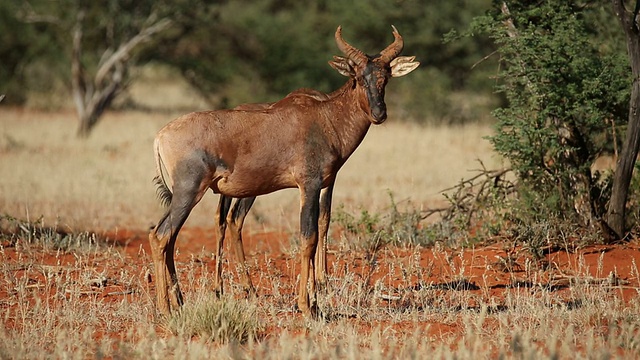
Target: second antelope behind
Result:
[[299, 142]]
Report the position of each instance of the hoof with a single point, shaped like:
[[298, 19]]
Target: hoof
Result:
[[218, 293], [309, 312], [176, 297], [249, 293]]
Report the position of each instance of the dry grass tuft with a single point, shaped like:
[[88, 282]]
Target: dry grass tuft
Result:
[[221, 320]]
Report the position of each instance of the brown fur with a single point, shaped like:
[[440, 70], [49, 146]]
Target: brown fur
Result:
[[300, 142]]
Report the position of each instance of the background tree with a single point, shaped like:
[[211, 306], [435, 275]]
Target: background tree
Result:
[[93, 93], [630, 21], [566, 85], [91, 45], [244, 51]]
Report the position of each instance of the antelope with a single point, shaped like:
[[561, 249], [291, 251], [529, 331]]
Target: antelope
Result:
[[242, 206], [299, 142]]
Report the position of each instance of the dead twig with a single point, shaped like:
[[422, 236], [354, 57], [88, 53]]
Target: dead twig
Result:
[[472, 195]]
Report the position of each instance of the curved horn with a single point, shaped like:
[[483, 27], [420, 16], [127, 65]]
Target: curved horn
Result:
[[394, 49], [352, 53]]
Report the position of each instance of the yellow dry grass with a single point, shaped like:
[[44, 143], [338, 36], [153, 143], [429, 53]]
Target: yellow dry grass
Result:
[[104, 182]]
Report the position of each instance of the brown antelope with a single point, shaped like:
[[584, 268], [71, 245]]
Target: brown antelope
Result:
[[299, 142], [242, 206]]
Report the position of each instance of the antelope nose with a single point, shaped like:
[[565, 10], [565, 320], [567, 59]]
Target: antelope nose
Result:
[[379, 114]]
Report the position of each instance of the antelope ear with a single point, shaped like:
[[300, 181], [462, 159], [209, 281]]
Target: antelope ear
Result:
[[343, 65], [403, 65]]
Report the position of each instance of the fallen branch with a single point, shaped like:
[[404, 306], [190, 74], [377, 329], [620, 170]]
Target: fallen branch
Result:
[[472, 195]]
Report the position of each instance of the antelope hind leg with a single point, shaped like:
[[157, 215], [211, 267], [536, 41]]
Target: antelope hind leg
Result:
[[221, 220], [158, 246], [236, 219]]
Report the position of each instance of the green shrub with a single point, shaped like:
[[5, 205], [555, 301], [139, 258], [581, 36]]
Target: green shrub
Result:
[[566, 95]]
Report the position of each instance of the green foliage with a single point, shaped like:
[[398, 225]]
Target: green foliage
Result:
[[254, 51], [22, 48], [565, 93]]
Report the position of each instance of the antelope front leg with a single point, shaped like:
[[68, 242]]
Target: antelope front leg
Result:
[[323, 224], [309, 212]]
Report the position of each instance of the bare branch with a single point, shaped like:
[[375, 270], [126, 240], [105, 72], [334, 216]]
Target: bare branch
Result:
[[29, 15], [471, 195], [635, 18], [106, 55], [93, 96], [483, 59], [511, 28], [125, 49], [513, 33], [77, 72]]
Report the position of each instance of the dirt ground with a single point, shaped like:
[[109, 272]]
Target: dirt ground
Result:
[[485, 275]]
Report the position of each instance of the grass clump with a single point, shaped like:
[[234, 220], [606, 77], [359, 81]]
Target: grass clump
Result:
[[220, 320], [396, 226], [58, 238]]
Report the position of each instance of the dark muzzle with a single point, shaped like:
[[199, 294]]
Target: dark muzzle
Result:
[[379, 113]]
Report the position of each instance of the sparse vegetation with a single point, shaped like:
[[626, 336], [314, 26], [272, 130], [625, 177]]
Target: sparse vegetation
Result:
[[410, 301], [52, 238], [398, 224]]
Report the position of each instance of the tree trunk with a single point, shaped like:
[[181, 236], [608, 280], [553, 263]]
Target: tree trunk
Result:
[[92, 96], [629, 153]]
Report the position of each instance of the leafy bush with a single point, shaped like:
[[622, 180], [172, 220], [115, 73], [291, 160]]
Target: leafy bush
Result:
[[566, 96]]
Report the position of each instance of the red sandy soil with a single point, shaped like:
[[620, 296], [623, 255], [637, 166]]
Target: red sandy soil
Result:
[[487, 274]]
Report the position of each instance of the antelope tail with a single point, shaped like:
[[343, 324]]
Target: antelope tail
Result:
[[162, 190]]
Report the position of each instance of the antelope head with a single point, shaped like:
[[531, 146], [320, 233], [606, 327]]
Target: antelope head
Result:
[[371, 73]]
